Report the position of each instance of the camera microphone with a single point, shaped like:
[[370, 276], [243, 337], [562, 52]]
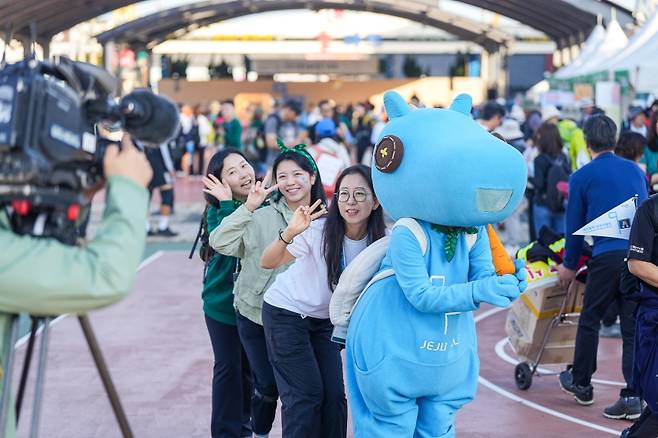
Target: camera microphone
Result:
[[149, 118]]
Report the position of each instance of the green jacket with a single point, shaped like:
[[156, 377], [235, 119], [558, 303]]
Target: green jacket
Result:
[[650, 158], [245, 235], [233, 134], [218, 285], [46, 277]]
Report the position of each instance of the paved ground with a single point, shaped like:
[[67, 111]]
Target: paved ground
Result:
[[157, 346], [159, 354]]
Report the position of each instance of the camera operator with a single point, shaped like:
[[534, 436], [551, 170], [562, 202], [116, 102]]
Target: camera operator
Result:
[[643, 263], [45, 277]]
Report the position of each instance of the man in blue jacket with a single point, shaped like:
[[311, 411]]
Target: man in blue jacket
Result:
[[594, 189]]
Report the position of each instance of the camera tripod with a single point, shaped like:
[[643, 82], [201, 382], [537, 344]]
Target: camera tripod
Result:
[[9, 358]]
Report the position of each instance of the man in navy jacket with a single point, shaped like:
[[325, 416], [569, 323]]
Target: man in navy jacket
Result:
[[596, 188]]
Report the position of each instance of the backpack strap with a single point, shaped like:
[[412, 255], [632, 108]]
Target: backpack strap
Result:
[[415, 228]]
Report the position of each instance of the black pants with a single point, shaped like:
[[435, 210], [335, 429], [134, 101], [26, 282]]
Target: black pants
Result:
[[610, 316], [603, 287], [645, 427], [230, 381], [200, 152], [264, 394], [309, 374]]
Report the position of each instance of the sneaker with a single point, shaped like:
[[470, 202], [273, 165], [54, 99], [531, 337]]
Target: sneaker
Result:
[[151, 233], [584, 395], [611, 331], [626, 408], [167, 233]]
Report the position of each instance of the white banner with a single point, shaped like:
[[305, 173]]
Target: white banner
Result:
[[615, 223]]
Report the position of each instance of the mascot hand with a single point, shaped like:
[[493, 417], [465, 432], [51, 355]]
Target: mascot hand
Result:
[[497, 290], [520, 274]]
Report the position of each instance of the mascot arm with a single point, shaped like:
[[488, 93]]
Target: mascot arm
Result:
[[480, 258], [411, 273]]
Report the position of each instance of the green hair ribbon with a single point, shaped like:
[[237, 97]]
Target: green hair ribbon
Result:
[[298, 149]]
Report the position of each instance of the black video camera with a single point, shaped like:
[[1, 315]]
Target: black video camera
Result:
[[49, 152]]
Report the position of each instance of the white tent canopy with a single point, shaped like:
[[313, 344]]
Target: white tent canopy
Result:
[[589, 48], [641, 48], [613, 43]]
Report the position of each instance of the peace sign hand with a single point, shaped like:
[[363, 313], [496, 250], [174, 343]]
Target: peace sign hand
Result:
[[213, 186], [303, 217], [257, 195]]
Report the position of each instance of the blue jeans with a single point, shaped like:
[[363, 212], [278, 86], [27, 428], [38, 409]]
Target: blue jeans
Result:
[[544, 216]]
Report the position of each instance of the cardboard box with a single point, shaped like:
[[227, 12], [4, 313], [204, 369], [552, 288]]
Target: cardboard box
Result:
[[579, 297], [553, 353], [545, 302], [522, 323], [526, 332]]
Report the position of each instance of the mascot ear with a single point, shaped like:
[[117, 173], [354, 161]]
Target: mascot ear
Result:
[[395, 105], [462, 104]]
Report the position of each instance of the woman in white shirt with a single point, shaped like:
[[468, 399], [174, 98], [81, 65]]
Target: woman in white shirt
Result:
[[307, 365]]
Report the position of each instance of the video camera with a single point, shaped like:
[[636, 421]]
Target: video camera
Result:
[[49, 151]]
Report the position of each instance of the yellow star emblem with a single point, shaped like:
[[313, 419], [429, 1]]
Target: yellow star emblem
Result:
[[384, 152]]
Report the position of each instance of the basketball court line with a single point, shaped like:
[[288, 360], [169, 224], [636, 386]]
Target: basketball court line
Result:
[[532, 405]]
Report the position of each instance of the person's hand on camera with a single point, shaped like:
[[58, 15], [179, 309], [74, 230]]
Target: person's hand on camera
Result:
[[128, 162], [220, 190]]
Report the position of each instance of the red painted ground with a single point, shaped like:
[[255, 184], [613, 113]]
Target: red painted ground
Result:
[[159, 354]]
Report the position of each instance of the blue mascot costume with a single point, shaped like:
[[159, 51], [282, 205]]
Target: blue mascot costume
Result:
[[411, 348]]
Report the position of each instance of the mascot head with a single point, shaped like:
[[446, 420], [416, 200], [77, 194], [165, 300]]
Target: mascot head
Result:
[[440, 166]]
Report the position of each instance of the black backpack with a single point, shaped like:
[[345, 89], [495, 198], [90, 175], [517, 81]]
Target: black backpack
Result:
[[557, 172], [206, 253]]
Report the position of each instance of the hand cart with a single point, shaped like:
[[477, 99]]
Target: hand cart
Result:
[[524, 371]]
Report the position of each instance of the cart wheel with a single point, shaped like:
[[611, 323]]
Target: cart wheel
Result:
[[523, 376]]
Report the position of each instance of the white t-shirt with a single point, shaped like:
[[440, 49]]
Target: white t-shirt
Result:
[[303, 287]]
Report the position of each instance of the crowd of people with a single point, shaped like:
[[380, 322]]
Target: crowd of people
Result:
[[579, 170], [337, 136], [279, 212]]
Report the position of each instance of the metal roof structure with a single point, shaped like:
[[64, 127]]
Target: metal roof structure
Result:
[[153, 29], [564, 21]]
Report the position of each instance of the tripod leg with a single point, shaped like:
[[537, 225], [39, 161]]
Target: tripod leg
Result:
[[105, 376], [8, 355], [26, 366], [41, 374]]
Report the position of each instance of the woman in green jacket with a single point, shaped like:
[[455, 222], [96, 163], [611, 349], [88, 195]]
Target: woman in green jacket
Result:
[[245, 234], [228, 183]]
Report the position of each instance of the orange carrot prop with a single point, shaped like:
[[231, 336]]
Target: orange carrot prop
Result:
[[502, 262]]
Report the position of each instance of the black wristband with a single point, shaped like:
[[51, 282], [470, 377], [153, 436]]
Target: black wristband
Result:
[[282, 239]]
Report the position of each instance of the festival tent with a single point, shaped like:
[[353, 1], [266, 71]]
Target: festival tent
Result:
[[639, 66], [614, 42], [589, 49], [636, 47]]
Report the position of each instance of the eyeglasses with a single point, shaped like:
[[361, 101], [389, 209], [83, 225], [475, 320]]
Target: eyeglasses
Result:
[[358, 195]]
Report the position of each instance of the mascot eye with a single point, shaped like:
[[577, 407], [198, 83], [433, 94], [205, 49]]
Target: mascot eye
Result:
[[388, 154]]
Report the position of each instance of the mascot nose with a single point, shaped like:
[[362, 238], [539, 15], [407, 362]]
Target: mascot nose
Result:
[[492, 200]]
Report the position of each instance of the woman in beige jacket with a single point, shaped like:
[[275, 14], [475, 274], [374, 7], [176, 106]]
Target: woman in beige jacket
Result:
[[245, 234]]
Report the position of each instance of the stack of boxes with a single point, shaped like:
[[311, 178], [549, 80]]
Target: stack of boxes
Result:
[[531, 315]]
